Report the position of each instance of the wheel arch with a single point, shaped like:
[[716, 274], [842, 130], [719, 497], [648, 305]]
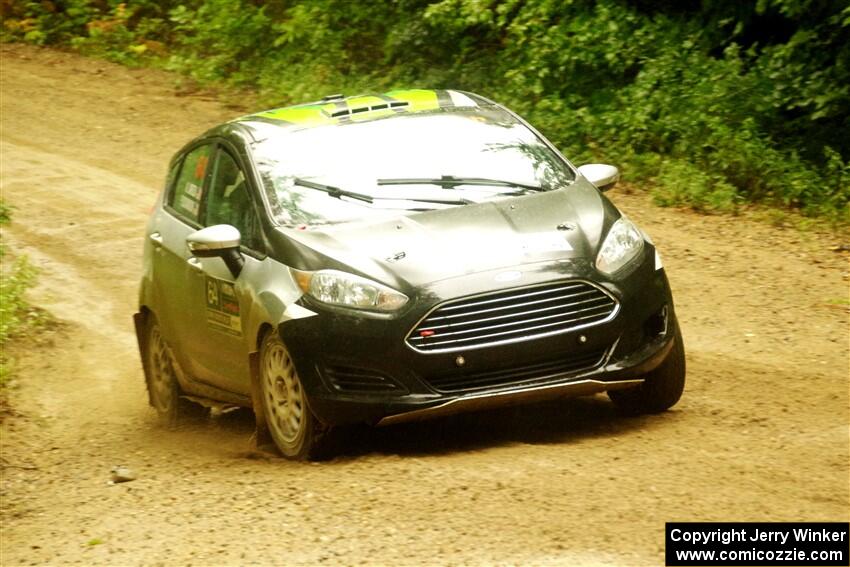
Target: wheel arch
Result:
[[140, 323], [262, 437]]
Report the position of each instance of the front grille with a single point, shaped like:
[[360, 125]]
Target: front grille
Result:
[[352, 379], [512, 315], [537, 372]]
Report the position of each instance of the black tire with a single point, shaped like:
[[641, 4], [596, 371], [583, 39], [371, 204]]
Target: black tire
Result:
[[291, 424], [160, 375], [661, 388]]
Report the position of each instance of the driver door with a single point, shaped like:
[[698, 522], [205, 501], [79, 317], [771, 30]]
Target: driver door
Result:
[[219, 349]]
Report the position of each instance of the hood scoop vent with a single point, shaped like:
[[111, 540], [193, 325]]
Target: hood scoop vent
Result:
[[370, 108]]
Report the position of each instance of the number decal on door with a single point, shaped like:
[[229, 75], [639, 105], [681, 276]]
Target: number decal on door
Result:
[[223, 307]]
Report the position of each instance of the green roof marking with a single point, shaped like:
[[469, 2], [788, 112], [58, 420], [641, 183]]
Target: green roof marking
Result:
[[318, 114]]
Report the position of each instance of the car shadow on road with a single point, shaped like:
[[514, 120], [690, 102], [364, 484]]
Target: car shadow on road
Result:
[[552, 422]]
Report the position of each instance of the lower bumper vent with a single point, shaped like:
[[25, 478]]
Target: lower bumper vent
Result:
[[353, 379], [531, 373]]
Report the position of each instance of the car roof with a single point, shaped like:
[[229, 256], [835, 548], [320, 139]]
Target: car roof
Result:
[[337, 109]]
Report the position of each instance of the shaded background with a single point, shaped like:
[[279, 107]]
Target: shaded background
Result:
[[711, 104]]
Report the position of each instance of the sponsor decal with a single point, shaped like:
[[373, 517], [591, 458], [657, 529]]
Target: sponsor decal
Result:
[[188, 204], [193, 190], [201, 167], [508, 276], [223, 307], [545, 242]]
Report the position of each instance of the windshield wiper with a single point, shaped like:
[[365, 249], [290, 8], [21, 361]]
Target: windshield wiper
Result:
[[450, 182], [435, 201], [333, 191], [338, 193]]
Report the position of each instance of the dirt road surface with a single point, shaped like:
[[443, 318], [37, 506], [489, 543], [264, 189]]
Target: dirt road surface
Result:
[[761, 433]]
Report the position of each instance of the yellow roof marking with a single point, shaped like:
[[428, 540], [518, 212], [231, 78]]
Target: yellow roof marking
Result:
[[320, 114]]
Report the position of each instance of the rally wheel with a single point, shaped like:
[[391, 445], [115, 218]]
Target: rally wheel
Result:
[[161, 378], [292, 425]]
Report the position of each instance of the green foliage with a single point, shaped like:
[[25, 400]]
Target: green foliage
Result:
[[682, 183], [14, 310], [710, 104], [5, 218], [15, 313]]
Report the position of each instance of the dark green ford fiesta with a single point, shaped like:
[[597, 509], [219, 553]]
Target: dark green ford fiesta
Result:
[[394, 257]]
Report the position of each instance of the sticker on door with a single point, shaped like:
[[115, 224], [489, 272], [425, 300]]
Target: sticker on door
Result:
[[223, 307]]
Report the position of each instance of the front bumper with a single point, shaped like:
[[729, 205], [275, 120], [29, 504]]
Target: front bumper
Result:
[[336, 352]]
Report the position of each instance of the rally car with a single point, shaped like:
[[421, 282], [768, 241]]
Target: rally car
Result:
[[384, 258]]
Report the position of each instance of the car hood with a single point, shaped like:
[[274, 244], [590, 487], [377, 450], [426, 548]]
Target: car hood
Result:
[[426, 247]]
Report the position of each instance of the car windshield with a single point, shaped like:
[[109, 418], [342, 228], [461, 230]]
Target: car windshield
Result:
[[404, 164]]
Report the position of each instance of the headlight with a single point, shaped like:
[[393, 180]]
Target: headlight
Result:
[[623, 243], [339, 288]]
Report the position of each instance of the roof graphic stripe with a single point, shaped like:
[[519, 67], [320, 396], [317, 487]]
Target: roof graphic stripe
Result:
[[364, 107]]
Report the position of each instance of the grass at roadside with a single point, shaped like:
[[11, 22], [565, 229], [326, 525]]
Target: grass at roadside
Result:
[[17, 317]]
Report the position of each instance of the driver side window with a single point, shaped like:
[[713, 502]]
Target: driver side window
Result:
[[229, 202], [185, 197]]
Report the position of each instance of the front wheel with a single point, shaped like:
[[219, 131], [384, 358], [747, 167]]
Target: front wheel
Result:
[[295, 430], [661, 388]]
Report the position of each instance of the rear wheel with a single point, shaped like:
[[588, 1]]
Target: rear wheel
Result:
[[292, 425], [161, 378], [661, 388]]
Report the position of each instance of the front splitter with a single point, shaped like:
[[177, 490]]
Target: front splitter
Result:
[[500, 399]]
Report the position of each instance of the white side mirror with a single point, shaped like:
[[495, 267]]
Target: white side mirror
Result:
[[220, 240], [602, 175], [213, 239]]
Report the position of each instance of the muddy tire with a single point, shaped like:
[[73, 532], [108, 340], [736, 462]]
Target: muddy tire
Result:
[[291, 424], [662, 387], [160, 375]]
